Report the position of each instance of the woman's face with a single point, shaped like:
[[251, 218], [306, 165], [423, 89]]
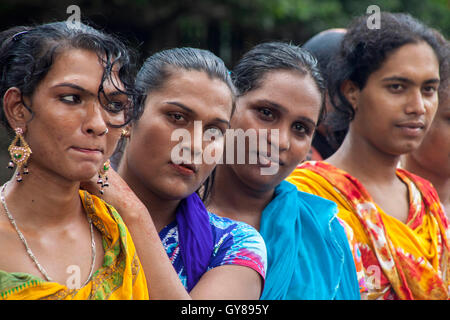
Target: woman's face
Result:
[[66, 132], [397, 105], [434, 152], [189, 102], [286, 101]]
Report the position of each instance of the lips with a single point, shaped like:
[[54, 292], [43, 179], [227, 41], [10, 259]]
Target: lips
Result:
[[88, 149], [412, 128], [270, 160], [412, 124], [185, 168]]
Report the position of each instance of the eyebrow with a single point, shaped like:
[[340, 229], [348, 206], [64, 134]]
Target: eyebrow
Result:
[[409, 81], [189, 110], [284, 110], [182, 106], [77, 87]]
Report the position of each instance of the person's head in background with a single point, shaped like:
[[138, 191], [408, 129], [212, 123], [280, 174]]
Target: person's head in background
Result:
[[324, 46], [383, 84], [180, 89], [432, 159]]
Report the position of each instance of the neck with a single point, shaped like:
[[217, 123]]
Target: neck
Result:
[[161, 210], [364, 161], [43, 200], [440, 181], [239, 202]]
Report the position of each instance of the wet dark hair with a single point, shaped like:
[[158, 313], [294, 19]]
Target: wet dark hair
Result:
[[364, 50], [27, 54], [158, 68], [272, 56]]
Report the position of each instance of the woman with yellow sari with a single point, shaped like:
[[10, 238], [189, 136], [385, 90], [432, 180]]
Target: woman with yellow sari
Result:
[[65, 93], [384, 84]]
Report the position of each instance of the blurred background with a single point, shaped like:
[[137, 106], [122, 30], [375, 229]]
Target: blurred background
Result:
[[226, 27]]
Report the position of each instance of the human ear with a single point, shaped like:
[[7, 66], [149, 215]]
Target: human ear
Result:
[[351, 92], [15, 111]]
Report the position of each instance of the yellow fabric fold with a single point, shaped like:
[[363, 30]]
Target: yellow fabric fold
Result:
[[121, 276], [401, 260]]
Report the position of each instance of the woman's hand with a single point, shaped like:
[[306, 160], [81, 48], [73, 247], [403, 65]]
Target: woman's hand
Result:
[[162, 280], [118, 194]]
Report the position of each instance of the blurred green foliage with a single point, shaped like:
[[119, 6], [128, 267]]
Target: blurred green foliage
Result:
[[227, 27]]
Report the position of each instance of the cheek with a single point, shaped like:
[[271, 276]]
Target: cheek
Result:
[[436, 141], [112, 139], [298, 152]]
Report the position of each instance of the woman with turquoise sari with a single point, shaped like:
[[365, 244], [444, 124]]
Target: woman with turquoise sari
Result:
[[280, 92]]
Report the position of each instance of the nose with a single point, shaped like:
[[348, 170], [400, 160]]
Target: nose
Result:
[[197, 142], [95, 123], [416, 103], [284, 139]]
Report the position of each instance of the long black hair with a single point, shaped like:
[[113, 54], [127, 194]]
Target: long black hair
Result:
[[27, 53]]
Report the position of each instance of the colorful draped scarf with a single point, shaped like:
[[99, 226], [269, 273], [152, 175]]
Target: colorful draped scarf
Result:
[[120, 277], [401, 260], [308, 252], [195, 238]]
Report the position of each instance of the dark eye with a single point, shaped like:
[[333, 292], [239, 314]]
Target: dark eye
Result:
[[300, 128], [70, 98], [115, 106], [429, 90], [396, 87], [266, 114], [214, 131], [176, 117]]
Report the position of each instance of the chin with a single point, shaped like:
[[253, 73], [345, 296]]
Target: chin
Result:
[[255, 180], [177, 191]]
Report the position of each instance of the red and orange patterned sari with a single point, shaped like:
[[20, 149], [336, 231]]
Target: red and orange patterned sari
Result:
[[401, 260]]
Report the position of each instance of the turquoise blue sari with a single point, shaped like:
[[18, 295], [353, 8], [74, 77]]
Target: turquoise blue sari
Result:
[[309, 257]]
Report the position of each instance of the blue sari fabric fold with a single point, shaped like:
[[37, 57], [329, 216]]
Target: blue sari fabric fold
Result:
[[195, 238], [309, 257]]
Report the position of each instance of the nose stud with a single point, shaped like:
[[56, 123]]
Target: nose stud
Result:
[[104, 132]]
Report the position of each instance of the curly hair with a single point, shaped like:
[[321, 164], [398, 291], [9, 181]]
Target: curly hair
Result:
[[364, 50]]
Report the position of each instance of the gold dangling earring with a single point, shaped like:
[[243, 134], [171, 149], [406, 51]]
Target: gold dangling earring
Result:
[[102, 176], [20, 152]]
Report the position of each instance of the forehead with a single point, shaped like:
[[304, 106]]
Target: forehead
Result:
[[414, 61], [81, 67], [197, 90], [296, 92]]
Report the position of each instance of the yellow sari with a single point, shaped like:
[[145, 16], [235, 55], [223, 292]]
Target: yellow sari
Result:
[[120, 277], [401, 260]]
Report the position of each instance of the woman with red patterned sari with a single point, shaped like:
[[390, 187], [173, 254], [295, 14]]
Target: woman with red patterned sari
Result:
[[384, 83]]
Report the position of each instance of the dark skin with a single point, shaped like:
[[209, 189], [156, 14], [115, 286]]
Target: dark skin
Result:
[[432, 159], [66, 135], [402, 97], [287, 101]]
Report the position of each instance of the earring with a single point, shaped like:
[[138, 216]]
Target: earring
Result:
[[20, 151], [102, 176], [125, 133]]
